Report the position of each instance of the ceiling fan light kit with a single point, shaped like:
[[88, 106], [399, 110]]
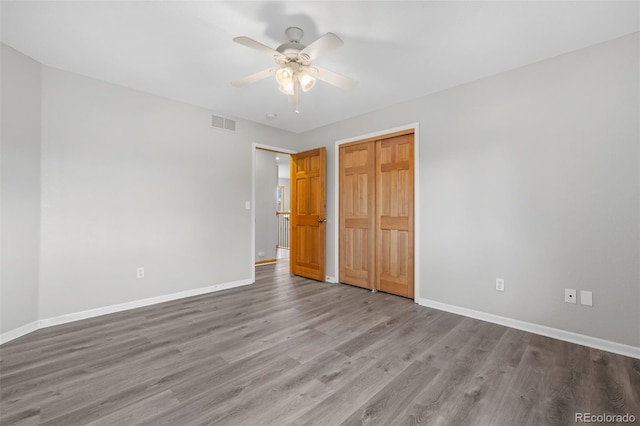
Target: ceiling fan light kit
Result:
[[294, 72], [293, 77]]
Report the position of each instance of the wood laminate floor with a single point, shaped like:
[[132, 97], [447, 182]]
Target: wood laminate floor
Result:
[[293, 351]]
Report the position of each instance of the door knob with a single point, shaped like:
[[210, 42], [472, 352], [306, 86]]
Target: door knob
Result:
[[321, 220]]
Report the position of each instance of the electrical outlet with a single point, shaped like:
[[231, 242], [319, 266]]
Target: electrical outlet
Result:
[[586, 298], [499, 284], [570, 295], [140, 272]]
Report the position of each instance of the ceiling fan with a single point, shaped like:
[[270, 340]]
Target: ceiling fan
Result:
[[294, 71]]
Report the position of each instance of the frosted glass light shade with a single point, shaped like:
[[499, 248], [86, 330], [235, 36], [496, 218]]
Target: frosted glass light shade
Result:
[[287, 88], [284, 75], [306, 81]]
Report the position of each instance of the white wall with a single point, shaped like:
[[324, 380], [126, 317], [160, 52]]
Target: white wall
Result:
[[531, 176], [20, 184], [266, 205], [131, 179]]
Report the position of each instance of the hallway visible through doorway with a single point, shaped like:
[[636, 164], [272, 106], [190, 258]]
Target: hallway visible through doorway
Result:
[[271, 204], [282, 253]]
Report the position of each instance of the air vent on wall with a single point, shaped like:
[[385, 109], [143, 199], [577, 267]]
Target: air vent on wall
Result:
[[223, 123]]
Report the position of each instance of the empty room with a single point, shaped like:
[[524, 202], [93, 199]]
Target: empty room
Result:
[[320, 213]]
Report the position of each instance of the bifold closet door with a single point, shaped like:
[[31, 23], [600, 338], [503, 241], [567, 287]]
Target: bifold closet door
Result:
[[395, 215], [376, 228], [357, 214]]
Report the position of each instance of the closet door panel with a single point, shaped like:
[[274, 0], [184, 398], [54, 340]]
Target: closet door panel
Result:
[[395, 215], [357, 214]]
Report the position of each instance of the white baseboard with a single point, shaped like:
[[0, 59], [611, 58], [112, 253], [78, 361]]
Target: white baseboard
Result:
[[580, 339], [18, 332], [76, 316]]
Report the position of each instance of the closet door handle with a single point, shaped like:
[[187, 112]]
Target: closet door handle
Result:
[[321, 220]]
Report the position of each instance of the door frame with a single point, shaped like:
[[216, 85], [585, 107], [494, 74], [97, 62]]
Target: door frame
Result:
[[416, 199], [254, 147]]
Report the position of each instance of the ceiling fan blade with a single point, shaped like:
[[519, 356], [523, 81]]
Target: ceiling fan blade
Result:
[[324, 44], [261, 75], [333, 78], [256, 45]]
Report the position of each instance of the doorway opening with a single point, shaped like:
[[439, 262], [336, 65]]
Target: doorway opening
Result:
[[271, 202], [283, 206]]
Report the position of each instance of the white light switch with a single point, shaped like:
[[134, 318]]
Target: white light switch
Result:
[[247, 205], [586, 298]]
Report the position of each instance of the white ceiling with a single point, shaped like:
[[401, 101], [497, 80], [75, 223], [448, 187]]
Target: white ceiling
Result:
[[396, 50]]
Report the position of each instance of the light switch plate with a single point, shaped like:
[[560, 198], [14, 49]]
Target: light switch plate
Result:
[[586, 298]]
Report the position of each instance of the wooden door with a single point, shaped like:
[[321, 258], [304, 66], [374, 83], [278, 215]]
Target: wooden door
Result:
[[308, 219], [395, 215], [357, 214]]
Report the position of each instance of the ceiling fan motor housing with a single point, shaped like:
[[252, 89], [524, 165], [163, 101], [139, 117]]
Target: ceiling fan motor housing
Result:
[[292, 49]]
